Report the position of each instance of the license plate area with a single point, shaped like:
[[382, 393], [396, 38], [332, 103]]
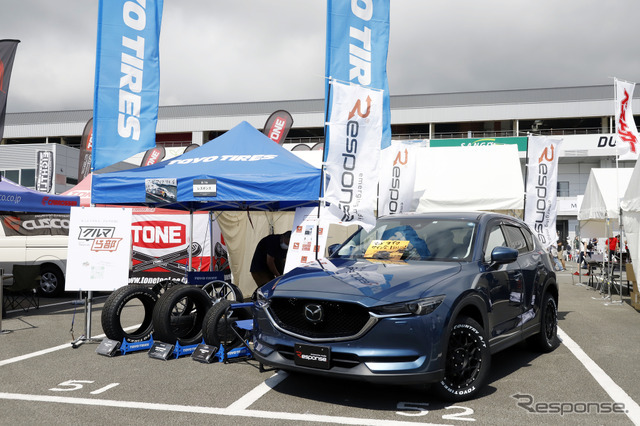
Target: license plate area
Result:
[[312, 356]]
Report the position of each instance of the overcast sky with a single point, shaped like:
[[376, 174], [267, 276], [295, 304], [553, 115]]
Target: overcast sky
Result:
[[214, 51]]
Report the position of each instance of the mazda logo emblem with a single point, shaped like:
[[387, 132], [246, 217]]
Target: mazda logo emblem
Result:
[[313, 313]]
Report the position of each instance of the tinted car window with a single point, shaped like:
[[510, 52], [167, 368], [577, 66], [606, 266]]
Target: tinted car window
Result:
[[412, 239], [516, 238], [494, 239]]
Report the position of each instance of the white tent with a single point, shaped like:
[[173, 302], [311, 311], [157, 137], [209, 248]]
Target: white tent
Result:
[[630, 205], [601, 202], [470, 178]]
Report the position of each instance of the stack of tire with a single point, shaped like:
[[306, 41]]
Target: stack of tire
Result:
[[177, 313]]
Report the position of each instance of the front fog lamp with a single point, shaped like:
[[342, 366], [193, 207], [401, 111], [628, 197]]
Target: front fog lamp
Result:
[[415, 307]]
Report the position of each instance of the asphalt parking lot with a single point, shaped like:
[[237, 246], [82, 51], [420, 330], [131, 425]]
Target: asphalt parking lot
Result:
[[592, 378]]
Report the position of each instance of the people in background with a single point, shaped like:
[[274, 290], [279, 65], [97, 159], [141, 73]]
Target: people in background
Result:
[[553, 249], [561, 254], [612, 245], [269, 258]]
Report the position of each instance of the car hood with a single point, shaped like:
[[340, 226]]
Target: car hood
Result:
[[367, 282]]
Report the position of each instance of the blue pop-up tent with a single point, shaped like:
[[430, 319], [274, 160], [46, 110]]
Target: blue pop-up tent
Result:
[[240, 170], [17, 198]]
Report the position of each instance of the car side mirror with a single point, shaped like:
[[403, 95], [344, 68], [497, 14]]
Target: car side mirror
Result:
[[503, 255], [332, 248]]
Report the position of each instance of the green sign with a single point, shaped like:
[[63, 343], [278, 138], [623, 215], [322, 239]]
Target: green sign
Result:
[[521, 142]]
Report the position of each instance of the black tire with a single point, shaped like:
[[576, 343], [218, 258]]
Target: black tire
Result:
[[547, 339], [467, 362], [51, 281], [218, 290], [179, 314], [112, 313], [218, 323]]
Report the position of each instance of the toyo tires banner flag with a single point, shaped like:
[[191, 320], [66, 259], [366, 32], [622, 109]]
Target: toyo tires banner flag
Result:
[[127, 83], [356, 52], [541, 191], [353, 154]]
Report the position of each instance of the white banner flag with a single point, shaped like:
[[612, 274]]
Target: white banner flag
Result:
[[397, 178], [353, 153], [626, 130], [541, 193]]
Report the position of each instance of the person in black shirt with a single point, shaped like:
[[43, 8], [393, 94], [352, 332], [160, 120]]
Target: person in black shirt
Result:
[[269, 258]]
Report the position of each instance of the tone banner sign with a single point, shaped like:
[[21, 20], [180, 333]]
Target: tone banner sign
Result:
[[626, 130], [161, 247], [86, 146], [278, 125], [127, 83], [353, 154], [356, 52], [541, 191], [397, 178], [99, 249]]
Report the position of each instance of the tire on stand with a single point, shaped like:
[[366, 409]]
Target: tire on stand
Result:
[[218, 325], [467, 362], [128, 296], [179, 314]]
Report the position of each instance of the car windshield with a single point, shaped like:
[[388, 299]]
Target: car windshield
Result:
[[412, 239]]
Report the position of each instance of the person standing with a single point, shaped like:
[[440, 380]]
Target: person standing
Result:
[[269, 258], [561, 254]]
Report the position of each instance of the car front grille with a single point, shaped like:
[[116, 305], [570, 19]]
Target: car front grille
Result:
[[339, 320]]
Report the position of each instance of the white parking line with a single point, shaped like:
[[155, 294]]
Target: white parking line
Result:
[[209, 410], [616, 393], [257, 393]]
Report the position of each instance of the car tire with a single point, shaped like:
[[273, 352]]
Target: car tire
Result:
[[467, 362], [112, 312], [179, 313], [51, 281], [547, 339], [218, 323]]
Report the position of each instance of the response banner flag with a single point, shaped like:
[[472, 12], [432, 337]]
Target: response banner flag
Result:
[[541, 192], [7, 54], [626, 130], [356, 52], [397, 178], [127, 82], [353, 154]]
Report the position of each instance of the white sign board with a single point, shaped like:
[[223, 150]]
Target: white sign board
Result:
[[99, 249], [307, 238]]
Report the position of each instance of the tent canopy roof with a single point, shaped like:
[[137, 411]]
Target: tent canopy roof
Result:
[[250, 172], [480, 178], [17, 198], [604, 189]]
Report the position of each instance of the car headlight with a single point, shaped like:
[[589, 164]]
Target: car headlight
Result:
[[415, 307], [261, 301]]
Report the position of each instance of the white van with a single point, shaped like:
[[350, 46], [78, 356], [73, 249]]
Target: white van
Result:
[[36, 239]]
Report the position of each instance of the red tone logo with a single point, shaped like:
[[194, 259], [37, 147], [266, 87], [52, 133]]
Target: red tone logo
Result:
[[158, 234]]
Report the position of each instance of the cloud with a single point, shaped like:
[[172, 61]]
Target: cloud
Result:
[[251, 50]]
